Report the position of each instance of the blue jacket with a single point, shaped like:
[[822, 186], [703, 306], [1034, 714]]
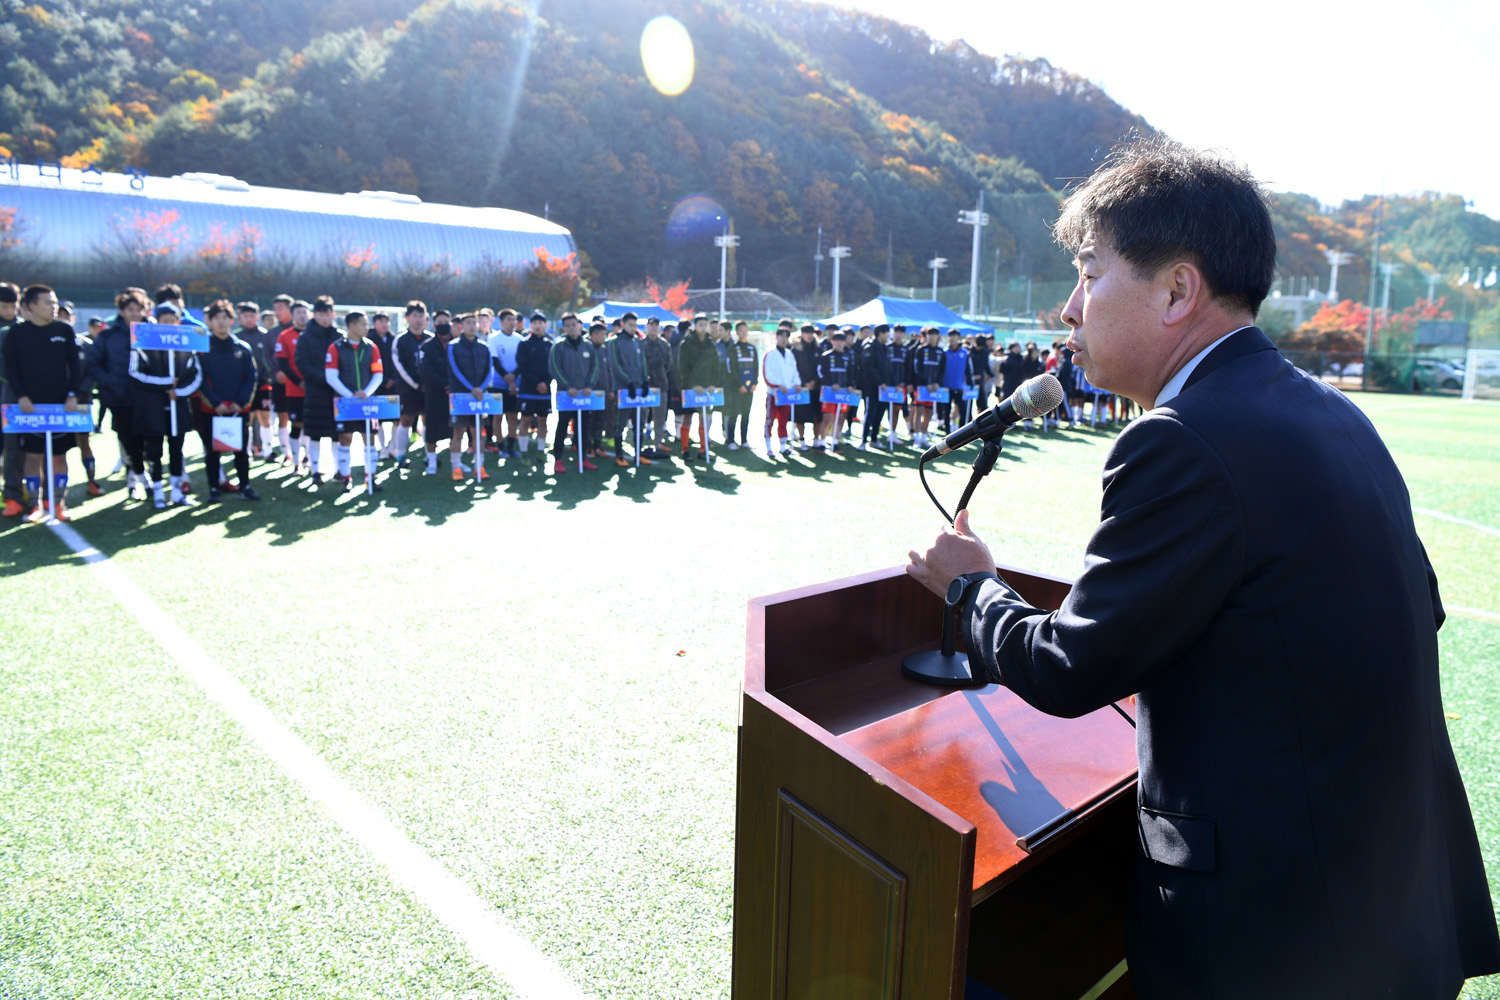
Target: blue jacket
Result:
[[109, 363], [956, 368], [469, 365], [229, 374]]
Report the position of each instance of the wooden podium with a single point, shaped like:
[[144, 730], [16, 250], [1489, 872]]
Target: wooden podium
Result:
[[895, 840]]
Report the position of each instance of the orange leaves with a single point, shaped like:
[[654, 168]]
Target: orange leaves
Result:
[[360, 258], [675, 299]]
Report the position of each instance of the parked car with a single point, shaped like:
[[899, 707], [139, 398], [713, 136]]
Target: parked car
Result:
[[1430, 373]]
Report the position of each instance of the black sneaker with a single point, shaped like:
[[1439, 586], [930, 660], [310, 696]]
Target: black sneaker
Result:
[[376, 488], [348, 482], [213, 494], [248, 493], [317, 479]]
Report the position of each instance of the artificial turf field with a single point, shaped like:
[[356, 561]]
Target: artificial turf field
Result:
[[535, 680]]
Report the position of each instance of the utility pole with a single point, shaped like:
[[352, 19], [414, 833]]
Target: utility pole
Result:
[[837, 253], [818, 265], [937, 264], [978, 219], [1387, 271], [724, 243], [1335, 258]]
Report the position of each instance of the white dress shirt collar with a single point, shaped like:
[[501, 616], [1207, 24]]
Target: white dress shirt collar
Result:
[[1176, 382]]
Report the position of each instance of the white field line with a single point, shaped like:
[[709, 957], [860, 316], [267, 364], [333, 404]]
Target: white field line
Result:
[[1484, 616], [1457, 520], [489, 938]]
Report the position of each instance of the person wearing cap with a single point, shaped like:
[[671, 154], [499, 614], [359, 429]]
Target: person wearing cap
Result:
[[164, 381], [898, 363], [626, 359], [503, 345], [406, 358], [40, 364], [834, 370], [807, 416], [574, 363], [779, 370], [292, 396], [227, 388], [437, 422], [657, 352], [317, 413], [354, 369], [744, 371], [874, 376], [698, 368], [926, 370], [534, 377]]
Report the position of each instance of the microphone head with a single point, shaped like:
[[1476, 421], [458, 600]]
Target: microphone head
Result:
[[1037, 396]]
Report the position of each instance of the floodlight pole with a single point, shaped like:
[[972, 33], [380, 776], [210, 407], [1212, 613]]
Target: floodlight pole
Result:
[[1387, 270], [978, 219], [818, 264], [1335, 258], [937, 264], [838, 253], [724, 243]]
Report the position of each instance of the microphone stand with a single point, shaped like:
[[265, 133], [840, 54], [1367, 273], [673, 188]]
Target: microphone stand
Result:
[[943, 667]]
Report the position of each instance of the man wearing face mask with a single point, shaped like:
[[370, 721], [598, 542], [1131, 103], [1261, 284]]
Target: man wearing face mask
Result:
[[437, 425]]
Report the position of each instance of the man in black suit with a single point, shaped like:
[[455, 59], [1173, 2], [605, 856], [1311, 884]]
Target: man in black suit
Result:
[[1257, 582]]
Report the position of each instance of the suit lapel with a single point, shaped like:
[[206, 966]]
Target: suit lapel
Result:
[[1248, 341]]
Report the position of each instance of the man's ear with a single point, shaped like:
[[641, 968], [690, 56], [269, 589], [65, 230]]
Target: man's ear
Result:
[[1183, 291]]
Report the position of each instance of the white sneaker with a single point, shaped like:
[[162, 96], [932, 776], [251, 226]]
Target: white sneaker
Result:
[[802, 445], [158, 498], [733, 446], [864, 446]]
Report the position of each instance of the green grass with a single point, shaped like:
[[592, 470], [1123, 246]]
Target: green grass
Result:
[[536, 680]]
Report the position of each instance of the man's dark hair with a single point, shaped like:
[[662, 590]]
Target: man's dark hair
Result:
[[168, 293], [248, 307], [629, 315], [323, 304], [9, 292], [284, 299], [32, 293], [506, 312], [354, 315], [569, 315], [301, 304], [416, 306], [130, 295], [378, 317], [218, 307], [1156, 201]]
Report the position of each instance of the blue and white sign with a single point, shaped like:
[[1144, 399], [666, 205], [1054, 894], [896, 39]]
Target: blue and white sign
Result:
[[45, 417], [651, 398], [801, 396], [970, 392], [166, 337], [369, 408], [463, 404], [590, 400], [891, 394], [841, 396], [695, 400], [926, 395]]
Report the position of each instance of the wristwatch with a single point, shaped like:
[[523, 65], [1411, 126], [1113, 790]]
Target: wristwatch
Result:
[[961, 588]]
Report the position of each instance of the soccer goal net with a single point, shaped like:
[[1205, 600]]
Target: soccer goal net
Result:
[[1482, 375]]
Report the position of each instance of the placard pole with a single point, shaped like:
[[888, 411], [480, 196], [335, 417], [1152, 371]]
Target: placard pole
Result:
[[369, 473], [708, 455], [47, 472], [171, 401], [637, 421], [478, 444], [578, 435]]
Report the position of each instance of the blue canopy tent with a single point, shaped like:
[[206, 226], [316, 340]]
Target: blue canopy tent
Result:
[[610, 311], [914, 313]]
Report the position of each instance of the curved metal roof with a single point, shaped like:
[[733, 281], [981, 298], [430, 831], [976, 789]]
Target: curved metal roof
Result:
[[77, 218]]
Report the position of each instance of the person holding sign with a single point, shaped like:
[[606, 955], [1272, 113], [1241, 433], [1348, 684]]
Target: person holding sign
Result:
[[806, 416], [317, 412], [353, 367], [626, 356], [533, 375], [406, 356], [41, 366], [779, 370], [503, 344], [874, 375], [698, 368], [470, 368], [926, 373], [657, 351], [898, 362], [437, 423], [110, 362], [164, 381], [833, 370], [230, 377], [575, 364], [744, 371]]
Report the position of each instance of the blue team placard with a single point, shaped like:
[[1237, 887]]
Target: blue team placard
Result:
[[971, 392], [593, 399], [53, 417], [651, 398], [891, 394], [926, 395], [841, 396], [784, 398], [463, 404], [699, 399], [369, 408], [166, 337]]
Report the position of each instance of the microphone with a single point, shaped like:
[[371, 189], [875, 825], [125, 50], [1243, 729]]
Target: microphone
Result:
[[1036, 396]]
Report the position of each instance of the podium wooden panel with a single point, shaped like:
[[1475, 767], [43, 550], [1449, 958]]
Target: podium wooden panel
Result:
[[894, 840]]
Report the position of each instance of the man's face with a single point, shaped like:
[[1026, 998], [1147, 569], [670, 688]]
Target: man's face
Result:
[[168, 319], [838, 343], [219, 324], [323, 317], [596, 334], [932, 339], [43, 309], [7, 311], [416, 320], [781, 339], [299, 318], [356, 330], [538, 327], [1115, 316], [131, 312], [486, 324], [470, 328], [865, 332], [283, 313], [808, 338], [653, 331], [571, 329], [953, 343], [248, 319], [382, 326], [629, 326], [507, 325], [700, 329]]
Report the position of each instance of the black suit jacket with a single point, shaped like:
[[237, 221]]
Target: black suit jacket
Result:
[[1257, 580]]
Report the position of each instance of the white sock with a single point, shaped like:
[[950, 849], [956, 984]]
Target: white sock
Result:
[[314, 453], [770, 443], [299, 445], [379, 434], [342, 452], [525, 443], [285, 436], [402, 442], [432, 461], [785, 444], [176, 489]]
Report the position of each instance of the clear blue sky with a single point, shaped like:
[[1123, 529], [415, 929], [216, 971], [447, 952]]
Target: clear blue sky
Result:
[[1323, 98]]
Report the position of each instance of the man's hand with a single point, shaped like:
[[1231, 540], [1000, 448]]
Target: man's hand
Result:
[[541, 389], [281, 377], [478, 393], [172, 394], [222, 409], [360, 394], [26, 405], [70, 405], [957, 551], [743, 389]]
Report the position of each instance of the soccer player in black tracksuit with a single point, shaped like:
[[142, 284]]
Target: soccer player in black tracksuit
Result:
[[834, 369], [898, 363], [384, 340], [744, 369], [437, 424], [534, 378], [262, 348], [317, 404], [625, 353], [110, 363], [41, 365], [810, 412], [874, 375], [575, 364], [228, 387], [927, 363], [470, 369], [406, 358], [11, 462], [355, 368], [164, 382]]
